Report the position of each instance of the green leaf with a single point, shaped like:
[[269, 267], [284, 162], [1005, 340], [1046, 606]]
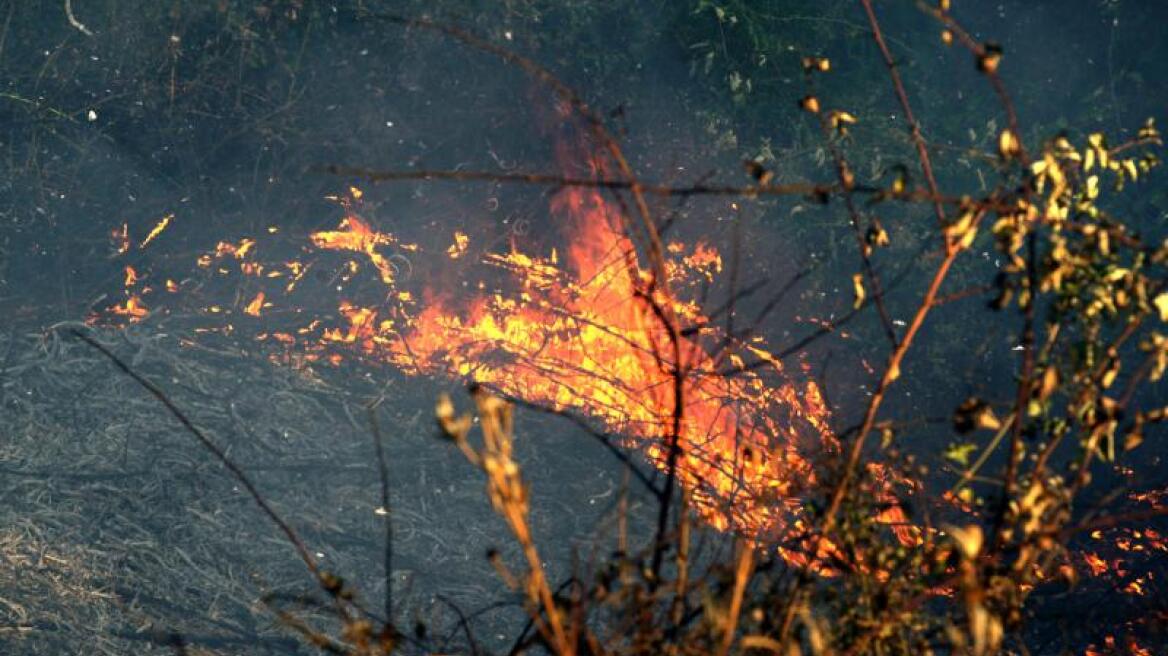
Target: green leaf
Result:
[[960, 453]]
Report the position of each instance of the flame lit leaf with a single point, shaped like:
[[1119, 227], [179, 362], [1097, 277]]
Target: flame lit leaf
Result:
[[840, 120], [975, 414], [968, 538], [1161, 303], [1009, 147], [990, 58]]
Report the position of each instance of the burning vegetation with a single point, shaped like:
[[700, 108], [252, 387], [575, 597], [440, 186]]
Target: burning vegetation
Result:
[[833, 542]]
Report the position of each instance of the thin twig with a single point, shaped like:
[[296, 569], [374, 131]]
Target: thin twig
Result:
[[741, 577], [697, 189], [914, 124], [846, 180], [891, 374]]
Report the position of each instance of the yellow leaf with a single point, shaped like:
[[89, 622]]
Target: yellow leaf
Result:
[[968, 237], [959, 453], [1130, 166], [761, 642], [1050, 382], [988, 420], [1008, 144], [846, 176], [989, 59], [1161, 302], [1115, 275], [877, 235], [968, 538], [809, 104], [962, 230], [1149, 132], [1110, 375], [858, 290], [812, 64], [444, 408], [839, 120]]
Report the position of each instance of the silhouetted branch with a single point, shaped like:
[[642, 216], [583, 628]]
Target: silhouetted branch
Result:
[[699, 189]]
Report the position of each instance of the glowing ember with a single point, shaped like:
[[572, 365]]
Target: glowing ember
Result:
[[458, 248], [132, 308], [157, 230], [255, 306]]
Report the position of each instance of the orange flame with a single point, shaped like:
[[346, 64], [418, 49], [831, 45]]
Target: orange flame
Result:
[[253, 308], [588, 331], [458, 248], [583, 337], [356, 235], [132, 308]]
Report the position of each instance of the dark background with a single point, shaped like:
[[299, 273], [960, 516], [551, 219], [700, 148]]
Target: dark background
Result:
[[117, 531]]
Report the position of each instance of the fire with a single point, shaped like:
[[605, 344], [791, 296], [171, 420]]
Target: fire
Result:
[[355, 235], [458, 248], [584, 330], [253, 308], [583, 337], [580, 329], [157, 230], [1097, 565], [132, 308]]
